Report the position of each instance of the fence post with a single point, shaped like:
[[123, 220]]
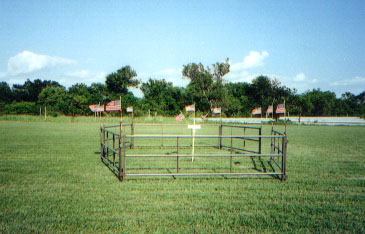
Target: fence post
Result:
[[120, 176], [220, 138], [123, 155], [244, 139], [283, 162], [107, 148], [132, 134], [230, 160], [271, 143], [101, 143], [177, 155], [113, 149], [260, 140], [162, 134]]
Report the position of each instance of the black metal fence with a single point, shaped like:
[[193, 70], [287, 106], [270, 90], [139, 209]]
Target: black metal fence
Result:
[[128, 153]]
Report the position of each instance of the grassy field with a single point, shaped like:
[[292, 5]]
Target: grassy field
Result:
[[52, 181]]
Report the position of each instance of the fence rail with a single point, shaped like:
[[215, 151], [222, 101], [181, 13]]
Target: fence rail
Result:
[[116, 148]]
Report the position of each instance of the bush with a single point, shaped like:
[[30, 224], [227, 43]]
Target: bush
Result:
[[21, 108]]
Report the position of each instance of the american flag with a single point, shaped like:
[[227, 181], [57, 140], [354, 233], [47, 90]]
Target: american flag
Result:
[[130, 109], [256, 111], [100, 108], [96, 108], [280, 109], [216, 110], [113, 106], [93, 107], [269, 109], [190, 108], [179, 117]]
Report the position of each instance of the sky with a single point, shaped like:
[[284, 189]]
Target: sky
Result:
[[304, 44]]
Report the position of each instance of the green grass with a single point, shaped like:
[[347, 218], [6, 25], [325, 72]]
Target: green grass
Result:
[[52, 181]]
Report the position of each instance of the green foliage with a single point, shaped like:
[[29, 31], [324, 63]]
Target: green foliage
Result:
[[29, 91], [6, 96], [98, 93], [323, 103], [78, 99], [22, 108], [237, 102], [207, 84], [55, 98], [118, 82], [161, 97]]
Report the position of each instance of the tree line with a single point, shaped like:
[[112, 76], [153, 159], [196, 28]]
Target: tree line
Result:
[[207, 89]]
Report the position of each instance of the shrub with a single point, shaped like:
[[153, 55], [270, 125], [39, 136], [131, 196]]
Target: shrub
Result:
[[21, 108]]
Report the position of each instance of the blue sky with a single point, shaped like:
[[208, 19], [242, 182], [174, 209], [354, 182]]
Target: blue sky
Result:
[[303, 44]]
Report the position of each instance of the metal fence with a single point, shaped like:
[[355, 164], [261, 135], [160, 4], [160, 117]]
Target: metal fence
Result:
[[128, 154]]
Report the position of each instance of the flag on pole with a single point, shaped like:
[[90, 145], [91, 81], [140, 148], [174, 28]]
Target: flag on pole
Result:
[[96, 108], [190, 108], [269, 109], [100, 108], [216, 110], [93, 107], [280, 109], [256, 111], [130, 109], [179, 117], [113, 106]]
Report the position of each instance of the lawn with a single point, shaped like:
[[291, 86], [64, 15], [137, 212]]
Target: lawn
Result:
[[52, 181]]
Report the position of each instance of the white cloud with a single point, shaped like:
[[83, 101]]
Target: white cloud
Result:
[[349, 82], [300, 82], [85, 76], [27, 61], [354, 85], [254, 59], [80, 74], [239, 71], [300, 77]]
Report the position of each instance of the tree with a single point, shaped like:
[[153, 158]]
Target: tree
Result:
[[98, 93], [207, 83], [29, 91], [55, 98], [361, 98], [6, 95], [238, 102], [118, 82], [78, 96], [21, 108], [323, 102], [162, 97]]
